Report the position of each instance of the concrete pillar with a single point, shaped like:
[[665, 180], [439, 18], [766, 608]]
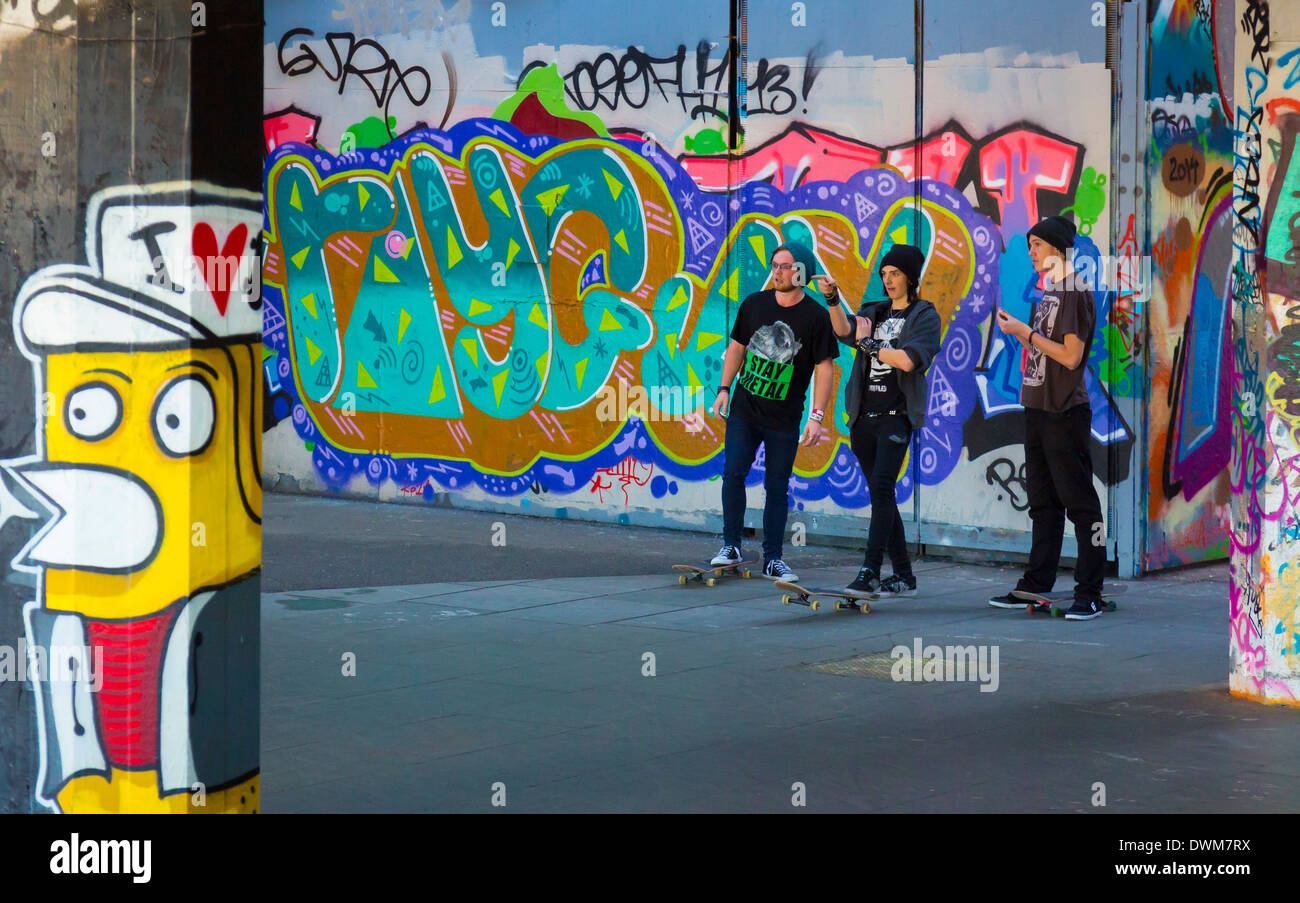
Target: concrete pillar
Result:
[[1265, 469], [136, 488]]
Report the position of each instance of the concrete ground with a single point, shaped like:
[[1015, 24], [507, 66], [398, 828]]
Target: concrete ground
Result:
[[523, 673]]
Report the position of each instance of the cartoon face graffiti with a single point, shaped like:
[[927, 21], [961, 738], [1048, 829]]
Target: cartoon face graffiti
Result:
[[148, 361], [137, 530]]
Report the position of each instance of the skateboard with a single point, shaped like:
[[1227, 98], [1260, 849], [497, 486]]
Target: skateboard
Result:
[[808, 595], [1059, 603], [714, 571]]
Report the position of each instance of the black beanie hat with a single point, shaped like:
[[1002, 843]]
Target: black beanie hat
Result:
[[908, 259], [1057, 231]]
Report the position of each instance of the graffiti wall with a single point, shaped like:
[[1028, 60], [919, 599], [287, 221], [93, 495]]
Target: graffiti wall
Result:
[[1189, 174], [1265, 454], [506, 244]]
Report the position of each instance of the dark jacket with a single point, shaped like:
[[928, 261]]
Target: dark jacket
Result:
[[920, 339]]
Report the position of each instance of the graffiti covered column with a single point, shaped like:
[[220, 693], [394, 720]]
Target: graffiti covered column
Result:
[[141, 483], [37, 226], [1265, 467]]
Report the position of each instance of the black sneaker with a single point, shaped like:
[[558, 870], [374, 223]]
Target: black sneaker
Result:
[[1083, 610], [1007, 601], [865, 586], [776, 569], [726, 555], [894, 585]]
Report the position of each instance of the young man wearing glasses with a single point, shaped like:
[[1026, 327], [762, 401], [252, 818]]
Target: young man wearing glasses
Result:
[[782, 339]]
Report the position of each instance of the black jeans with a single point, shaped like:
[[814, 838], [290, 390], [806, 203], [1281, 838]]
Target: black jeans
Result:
[[739, 448], [880, 444], [1058, 474]]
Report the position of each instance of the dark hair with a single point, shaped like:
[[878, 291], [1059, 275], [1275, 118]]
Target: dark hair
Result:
[[778, 249]]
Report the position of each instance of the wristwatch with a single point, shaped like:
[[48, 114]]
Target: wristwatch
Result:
[[722, 389]]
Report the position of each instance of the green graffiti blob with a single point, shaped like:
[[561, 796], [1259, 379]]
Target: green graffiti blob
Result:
[[369, 132], [1089, 200], [706, 141], [1118, 364]]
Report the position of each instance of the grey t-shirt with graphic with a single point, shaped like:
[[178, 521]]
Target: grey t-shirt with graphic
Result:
[[1047, 385]]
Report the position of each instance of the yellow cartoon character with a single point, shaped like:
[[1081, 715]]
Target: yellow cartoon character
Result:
[[147, 369]]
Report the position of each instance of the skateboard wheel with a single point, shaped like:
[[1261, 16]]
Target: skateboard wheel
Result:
[[864, 608], [785, 600], [681, 580], [814, 605], [1058, 611], [711, 581], [840, 606], [745, 574]]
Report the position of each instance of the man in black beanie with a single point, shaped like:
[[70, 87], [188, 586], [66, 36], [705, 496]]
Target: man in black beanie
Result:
[[1058, 423], [885, 402]]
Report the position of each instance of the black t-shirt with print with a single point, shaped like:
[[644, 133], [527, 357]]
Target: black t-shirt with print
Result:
[[1047, 385], [881, 392], [773, 383]]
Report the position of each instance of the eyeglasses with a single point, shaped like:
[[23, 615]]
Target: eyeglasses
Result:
[[783, 267]]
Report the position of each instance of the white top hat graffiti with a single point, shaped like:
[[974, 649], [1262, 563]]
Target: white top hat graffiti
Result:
[[170, 264]]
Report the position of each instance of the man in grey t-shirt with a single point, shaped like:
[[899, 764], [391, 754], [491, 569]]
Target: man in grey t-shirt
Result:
[[1058, 425], [1049, 385]]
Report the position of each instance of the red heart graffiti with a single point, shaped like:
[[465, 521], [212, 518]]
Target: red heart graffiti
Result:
[[219, 277]]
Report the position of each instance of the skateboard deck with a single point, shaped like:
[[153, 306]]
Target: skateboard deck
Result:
[[709, 574], [1057, 604], [812, 596]]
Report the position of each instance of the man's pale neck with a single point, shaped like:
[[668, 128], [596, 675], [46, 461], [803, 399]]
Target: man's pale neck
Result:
[[790, 298]]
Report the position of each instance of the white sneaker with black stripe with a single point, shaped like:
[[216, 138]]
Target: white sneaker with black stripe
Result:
[[776, 569], [726, 555]]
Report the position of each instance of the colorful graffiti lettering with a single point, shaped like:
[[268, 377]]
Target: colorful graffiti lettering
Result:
[[289, 125], [1281, 241], [528, 274], [426, 292], [1199, 439], [1018, 174]]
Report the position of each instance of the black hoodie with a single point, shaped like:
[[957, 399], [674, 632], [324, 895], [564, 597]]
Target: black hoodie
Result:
[[919, 338]]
